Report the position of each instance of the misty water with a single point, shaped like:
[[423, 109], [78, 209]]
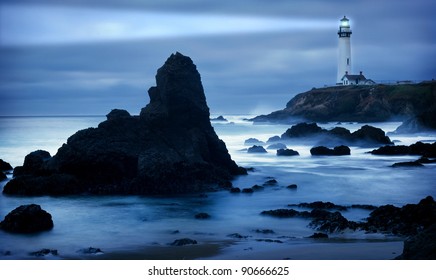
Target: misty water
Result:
[[129, 223]]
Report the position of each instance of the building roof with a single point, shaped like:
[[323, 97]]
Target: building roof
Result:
[[354, 77]]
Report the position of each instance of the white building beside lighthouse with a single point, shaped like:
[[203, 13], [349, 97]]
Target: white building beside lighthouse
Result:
[[345, 76]]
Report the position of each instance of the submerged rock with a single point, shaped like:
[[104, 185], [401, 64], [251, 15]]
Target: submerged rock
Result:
[[253, 141], [27, 219], [171, 147], [408, 164]]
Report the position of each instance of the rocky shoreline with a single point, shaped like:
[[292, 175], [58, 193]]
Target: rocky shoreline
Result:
[[414, 104]]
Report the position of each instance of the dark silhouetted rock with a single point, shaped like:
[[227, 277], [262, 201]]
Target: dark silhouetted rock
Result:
[[292, 186], [235, 190], [257, 188], [370, 134], [44, 252], [117, 114], [247, 190], [270, 182], [320, 205], [183, 242], [408, 164], [91, 251], [324, 151], [421, 246], [319, 235], [274, 139], [256, 149], [269, 240], [302, 130], [287, 152], [4, 166], [27, 219], [407, 220], [329, 222], [276, 146], [282, 213], [202, 216], [2, 176], [366, 135], [419, 148], [253, 141], [219, 119], [237, 235], [171, 147]]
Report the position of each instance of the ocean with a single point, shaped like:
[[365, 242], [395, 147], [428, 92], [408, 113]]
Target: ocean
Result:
[[143, 227]]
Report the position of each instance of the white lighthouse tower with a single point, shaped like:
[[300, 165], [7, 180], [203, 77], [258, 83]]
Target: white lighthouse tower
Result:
[[344, 56]]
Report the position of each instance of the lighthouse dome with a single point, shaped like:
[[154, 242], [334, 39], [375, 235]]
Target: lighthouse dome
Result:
[[345, 22]]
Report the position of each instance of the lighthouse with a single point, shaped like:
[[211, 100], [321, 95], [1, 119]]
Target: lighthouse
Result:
[[344, 55]]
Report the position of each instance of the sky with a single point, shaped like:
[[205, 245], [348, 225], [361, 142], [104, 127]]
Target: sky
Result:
[[86, 57]]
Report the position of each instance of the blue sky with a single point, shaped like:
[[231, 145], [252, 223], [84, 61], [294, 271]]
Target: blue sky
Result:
[[88, 57]]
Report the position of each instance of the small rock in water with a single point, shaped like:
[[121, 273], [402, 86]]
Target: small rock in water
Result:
[[235, 190], [91, 250], [247, 190], [256, 149], [264, 231], [271, 182], [237, 235], [44, 252], [287, 152], [183, 242], [202, 216], [292, 186], [27, 219], [253, 141], [318, 235]]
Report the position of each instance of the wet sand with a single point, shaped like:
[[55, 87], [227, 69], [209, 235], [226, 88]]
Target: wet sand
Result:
[[228, 250]]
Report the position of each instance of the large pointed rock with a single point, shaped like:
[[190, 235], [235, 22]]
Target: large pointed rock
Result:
[[171, 147]]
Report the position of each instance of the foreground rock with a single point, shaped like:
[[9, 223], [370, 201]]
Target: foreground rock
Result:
[[375, 103], [170, 147], [287, 152], [27, 219], [421, 246]]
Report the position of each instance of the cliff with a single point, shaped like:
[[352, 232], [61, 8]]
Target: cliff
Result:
[[171, 147], [373, 103]]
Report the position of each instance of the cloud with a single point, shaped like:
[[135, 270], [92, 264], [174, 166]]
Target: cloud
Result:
[[21, 25]]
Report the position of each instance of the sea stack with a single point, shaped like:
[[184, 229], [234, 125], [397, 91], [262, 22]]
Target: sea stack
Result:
[[171, 147]]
